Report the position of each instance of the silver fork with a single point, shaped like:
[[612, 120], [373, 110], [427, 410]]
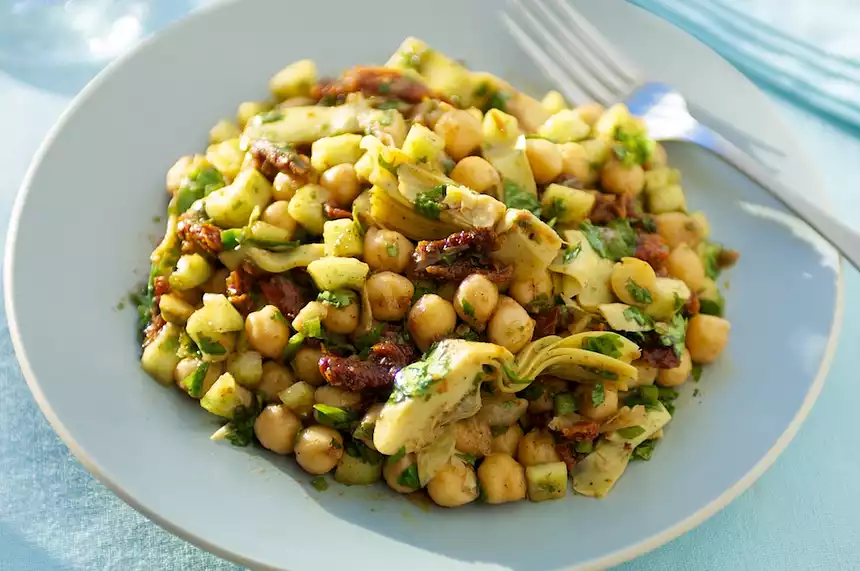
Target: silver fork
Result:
[[587, 67]]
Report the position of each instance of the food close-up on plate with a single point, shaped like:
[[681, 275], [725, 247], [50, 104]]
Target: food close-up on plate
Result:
[[334, 289]]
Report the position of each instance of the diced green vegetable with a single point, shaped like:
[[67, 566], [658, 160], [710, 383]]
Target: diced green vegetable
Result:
[[546, 481], [424, 146], [246, 367], [193, 383], [553, 102], [174, 309], [295, 80], [338, 273], [357, 471], [161, 356], [227, 157], [306, 207], [669, 198], [226, 396], [564, 127], [567, 205], [293, 346], [223, 131], [298, 397], [564, 403], [336, 298], [191, 271], [342, 238], [333, 416], [339, 149], [231, 206]]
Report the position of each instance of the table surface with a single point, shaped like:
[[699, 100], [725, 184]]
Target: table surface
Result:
[[803, 514]]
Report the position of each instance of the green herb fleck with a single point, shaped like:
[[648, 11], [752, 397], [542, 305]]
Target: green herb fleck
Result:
[[632, 148], [710, 259], [468, 309], [697, 372], [193, 383], [498, 100], [673, 334], [514, 377], [368, 340], [198, 184], [428, 204], [333, 416], [532, 392], [570, 254], [515, 197], [638, 293], [386, 165], [409, 478], [293, 346], [320, 484], [637, 315], [598, 395], [240, 429], [417, 379], [614, 241], [396, 456], [607, 344], [712, 306], [644, 450], [468, 458], [564, 403], [313, 328], [210, 346], [335, 298]]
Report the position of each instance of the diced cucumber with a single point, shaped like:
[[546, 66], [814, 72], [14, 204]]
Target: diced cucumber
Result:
[[338, 273], [160, 357], [546, 481], [225, 396], [342, 238]]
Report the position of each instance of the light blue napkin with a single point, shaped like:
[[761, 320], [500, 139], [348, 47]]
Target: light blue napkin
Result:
[[809, 51]]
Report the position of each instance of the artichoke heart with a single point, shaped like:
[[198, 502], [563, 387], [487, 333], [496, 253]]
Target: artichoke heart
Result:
[[526, 243], [441, 388]]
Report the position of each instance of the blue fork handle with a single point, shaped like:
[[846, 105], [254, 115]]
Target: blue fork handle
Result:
[[842, 237]]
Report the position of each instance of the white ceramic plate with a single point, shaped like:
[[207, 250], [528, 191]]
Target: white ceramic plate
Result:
[[83, 228]]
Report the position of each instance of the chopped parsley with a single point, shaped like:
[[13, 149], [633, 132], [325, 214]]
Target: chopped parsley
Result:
[[386, 165], [570, 254], [638, 293], [673, 334], [710, 256], [396, 456], [232, 238], [598, 395], [210, 346], [368, 340], [498, 100], [585, 447], [408, 478], [515, 197], [614, 241], [532, 392], [468, 458], [240, 429], [630, 432], [468, 309], [607, 344], [320, 484], [712, 306], [632, 148], [637, 315], [198, 184], [358, 449], [514, 377], [428, 204], [417, 379], [333, 416], [556, 209], [335, 298], [649, 394], [193, 383], [697, 372], [392, 250]]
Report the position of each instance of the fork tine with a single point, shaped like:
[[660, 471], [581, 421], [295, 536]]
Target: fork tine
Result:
[[579, 46], [605, 48], [573, 71], [557, 74]]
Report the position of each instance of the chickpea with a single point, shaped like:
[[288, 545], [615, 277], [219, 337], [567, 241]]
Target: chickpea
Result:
[[658, 158], [333, 396], [393, 472], [502, 410], [276, 428], [575, 163], [678, 375], [387, 250], [589, 112], [707, 336], [472, 437], [647, 374], [342, 184], [285, 186], [685, 264], [217, 283], [319, 449], [511, 327], [502, 478], [527, 290], [278, 214], [390, 295], [545, 159], [461, 132], [344, 319], [601, 412], [477, 174], [476, 299], [677, 228], [537, 447], [508, 441], [431, 318], [620, 179], [454, 485], [267, 331], [306, 366], [276, 378], [188, 366], [633, 281]]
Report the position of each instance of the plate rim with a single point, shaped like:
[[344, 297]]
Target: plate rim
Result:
[[610, 559]]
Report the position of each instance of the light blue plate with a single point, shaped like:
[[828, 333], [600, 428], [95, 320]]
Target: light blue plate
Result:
[[83, 228]]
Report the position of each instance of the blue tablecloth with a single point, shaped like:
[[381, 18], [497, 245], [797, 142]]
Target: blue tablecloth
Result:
[[804, 514]]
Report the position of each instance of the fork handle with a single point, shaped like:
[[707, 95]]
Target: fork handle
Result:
[[842, 237]]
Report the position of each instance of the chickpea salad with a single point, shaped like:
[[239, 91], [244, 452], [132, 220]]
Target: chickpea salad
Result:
[[417, 273]]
